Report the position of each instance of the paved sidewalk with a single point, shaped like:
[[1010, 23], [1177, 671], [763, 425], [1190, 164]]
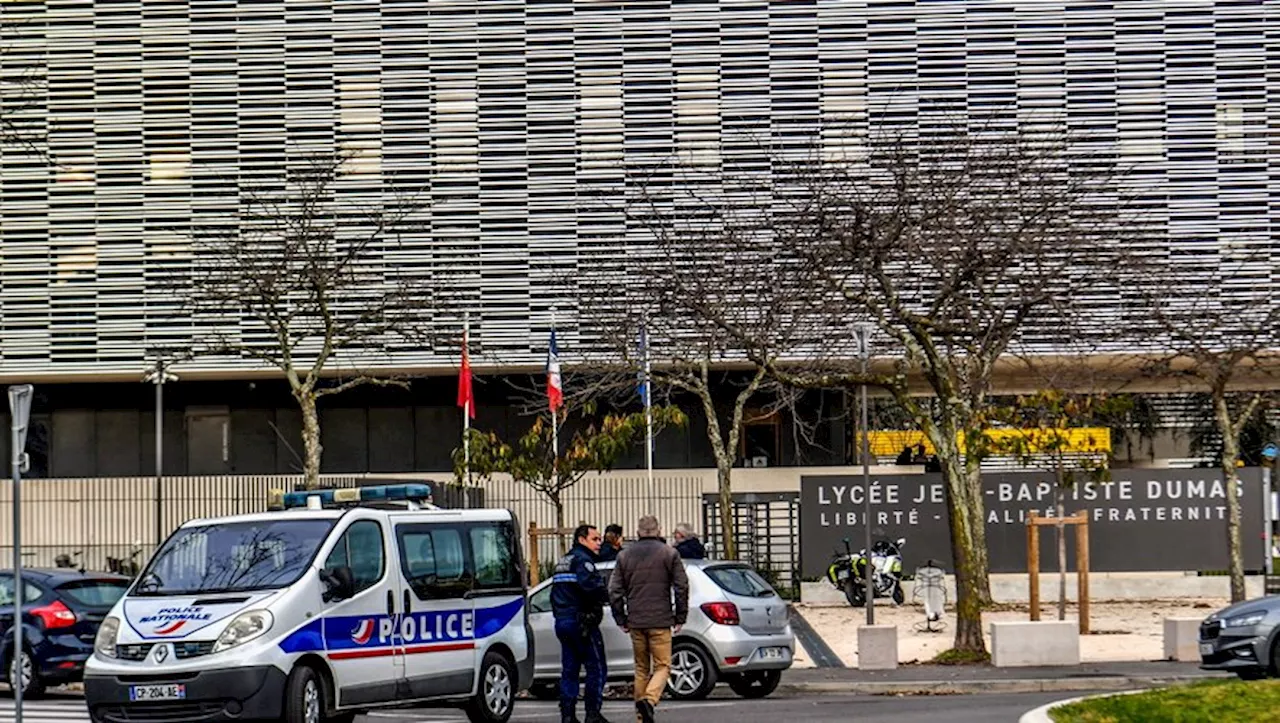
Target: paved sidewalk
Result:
[[966, 679]]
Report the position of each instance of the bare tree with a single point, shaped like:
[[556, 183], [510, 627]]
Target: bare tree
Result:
[[711, 298], [1222, 339], [961, 242], [23, 80], [300, 281]]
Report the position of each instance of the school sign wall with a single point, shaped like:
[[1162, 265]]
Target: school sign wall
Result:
[[1143, 519]]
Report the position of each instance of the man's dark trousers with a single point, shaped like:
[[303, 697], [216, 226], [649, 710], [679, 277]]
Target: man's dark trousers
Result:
[[578, 649]]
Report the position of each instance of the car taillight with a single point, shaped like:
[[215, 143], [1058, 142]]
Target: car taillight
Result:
[[724, 613], [55, 615]]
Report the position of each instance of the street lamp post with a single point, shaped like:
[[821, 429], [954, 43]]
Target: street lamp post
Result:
[[864, 353], [158, 375], [19, 413]]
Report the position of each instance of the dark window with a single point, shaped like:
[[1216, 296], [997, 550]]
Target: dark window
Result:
[[434, 561], [6, 591], [493, 552], [360, 549], [540, 601], [740, 581], [95, 593]]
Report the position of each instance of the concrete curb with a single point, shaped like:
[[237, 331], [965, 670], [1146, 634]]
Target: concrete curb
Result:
[[978, 687], [1041, 714]]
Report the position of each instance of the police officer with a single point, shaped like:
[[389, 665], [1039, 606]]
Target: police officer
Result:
[[578, 597]]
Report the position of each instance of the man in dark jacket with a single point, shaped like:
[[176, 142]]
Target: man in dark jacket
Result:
[[612, 543], [578, 597], [649, 574], [687, 543]]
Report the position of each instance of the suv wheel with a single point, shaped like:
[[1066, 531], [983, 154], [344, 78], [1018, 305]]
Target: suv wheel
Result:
[[693, 675], [496, 694], [755, 683]]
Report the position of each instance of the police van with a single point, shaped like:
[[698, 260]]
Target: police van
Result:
[[342, 601]]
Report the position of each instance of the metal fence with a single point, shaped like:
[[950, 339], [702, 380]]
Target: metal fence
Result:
[[92, 520], [600, 501], [126, 518], [766, 530]]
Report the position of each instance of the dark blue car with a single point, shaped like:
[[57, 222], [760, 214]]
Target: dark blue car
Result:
[[61, 614]]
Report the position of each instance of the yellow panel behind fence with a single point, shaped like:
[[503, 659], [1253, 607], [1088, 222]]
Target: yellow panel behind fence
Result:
[[1075, 440]]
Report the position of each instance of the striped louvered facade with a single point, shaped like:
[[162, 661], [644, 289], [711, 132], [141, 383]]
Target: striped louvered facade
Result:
[[522, 119]]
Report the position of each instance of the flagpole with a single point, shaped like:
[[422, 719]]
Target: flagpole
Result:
[[555, 418], [466, 408], [648, 414]]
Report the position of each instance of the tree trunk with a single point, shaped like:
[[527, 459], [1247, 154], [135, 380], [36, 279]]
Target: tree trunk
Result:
[[963, 483], [1062, 549], [564, 541], [729, 546], [310, 438], [1230, 451]]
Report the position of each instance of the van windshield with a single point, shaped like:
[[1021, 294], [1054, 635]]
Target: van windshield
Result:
[[233, 557]]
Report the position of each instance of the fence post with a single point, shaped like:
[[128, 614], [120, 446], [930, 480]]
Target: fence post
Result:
[[535, 574], [1033, 564]]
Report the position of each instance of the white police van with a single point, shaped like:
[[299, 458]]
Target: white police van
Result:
[[343, 601]]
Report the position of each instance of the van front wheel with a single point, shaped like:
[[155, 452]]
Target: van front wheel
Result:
[[496, 693], [303, 697]]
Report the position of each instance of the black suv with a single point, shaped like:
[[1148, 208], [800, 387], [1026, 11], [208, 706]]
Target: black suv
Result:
[[61, 613]]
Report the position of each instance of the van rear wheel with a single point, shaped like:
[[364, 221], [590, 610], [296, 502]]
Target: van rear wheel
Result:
[[496, 692]]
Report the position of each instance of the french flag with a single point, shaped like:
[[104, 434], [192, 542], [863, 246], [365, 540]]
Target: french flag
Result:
[[555, 392]]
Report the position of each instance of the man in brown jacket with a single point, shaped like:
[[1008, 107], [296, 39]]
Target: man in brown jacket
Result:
[[640, 593]]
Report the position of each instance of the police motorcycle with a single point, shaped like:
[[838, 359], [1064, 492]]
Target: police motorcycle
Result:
[[333, 603], [847, 572]]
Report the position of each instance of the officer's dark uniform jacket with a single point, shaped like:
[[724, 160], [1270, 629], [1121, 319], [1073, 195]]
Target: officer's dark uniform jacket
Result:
[[578, 592]]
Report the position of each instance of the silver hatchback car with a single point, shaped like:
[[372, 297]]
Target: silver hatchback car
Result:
[[738, 632]]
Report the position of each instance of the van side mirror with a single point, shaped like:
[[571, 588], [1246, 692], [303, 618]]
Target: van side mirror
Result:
[[339, 584]]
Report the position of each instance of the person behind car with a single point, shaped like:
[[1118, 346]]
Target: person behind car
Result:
[[687, 543], [648, 577], [578, 596], [612, 543]]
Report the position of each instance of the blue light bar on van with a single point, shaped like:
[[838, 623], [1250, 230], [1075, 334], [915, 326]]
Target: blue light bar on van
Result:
[[349, 496]]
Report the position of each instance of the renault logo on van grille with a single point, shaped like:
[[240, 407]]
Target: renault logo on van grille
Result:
[[161, 654]]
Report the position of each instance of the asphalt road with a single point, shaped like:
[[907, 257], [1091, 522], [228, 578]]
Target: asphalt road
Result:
[[801, 709]]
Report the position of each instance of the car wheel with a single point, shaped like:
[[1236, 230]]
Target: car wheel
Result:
[[756, 683], [1254, 674], [693, 675], [495, 696], [32, 685], [303, 697], [544, 691]]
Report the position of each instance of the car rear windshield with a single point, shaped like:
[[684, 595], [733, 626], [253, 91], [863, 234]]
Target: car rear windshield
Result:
[[95, 593], [234, 557], [740, 581]]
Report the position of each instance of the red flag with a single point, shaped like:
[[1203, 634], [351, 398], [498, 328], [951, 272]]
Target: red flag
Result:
[[466, 399]]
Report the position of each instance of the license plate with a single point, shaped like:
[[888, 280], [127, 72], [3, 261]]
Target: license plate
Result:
[[773, 653], [157, 692], [1206, 648], [842, 575]]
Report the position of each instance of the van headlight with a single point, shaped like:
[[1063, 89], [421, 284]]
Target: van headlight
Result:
[[105, 642], [247, 626]]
